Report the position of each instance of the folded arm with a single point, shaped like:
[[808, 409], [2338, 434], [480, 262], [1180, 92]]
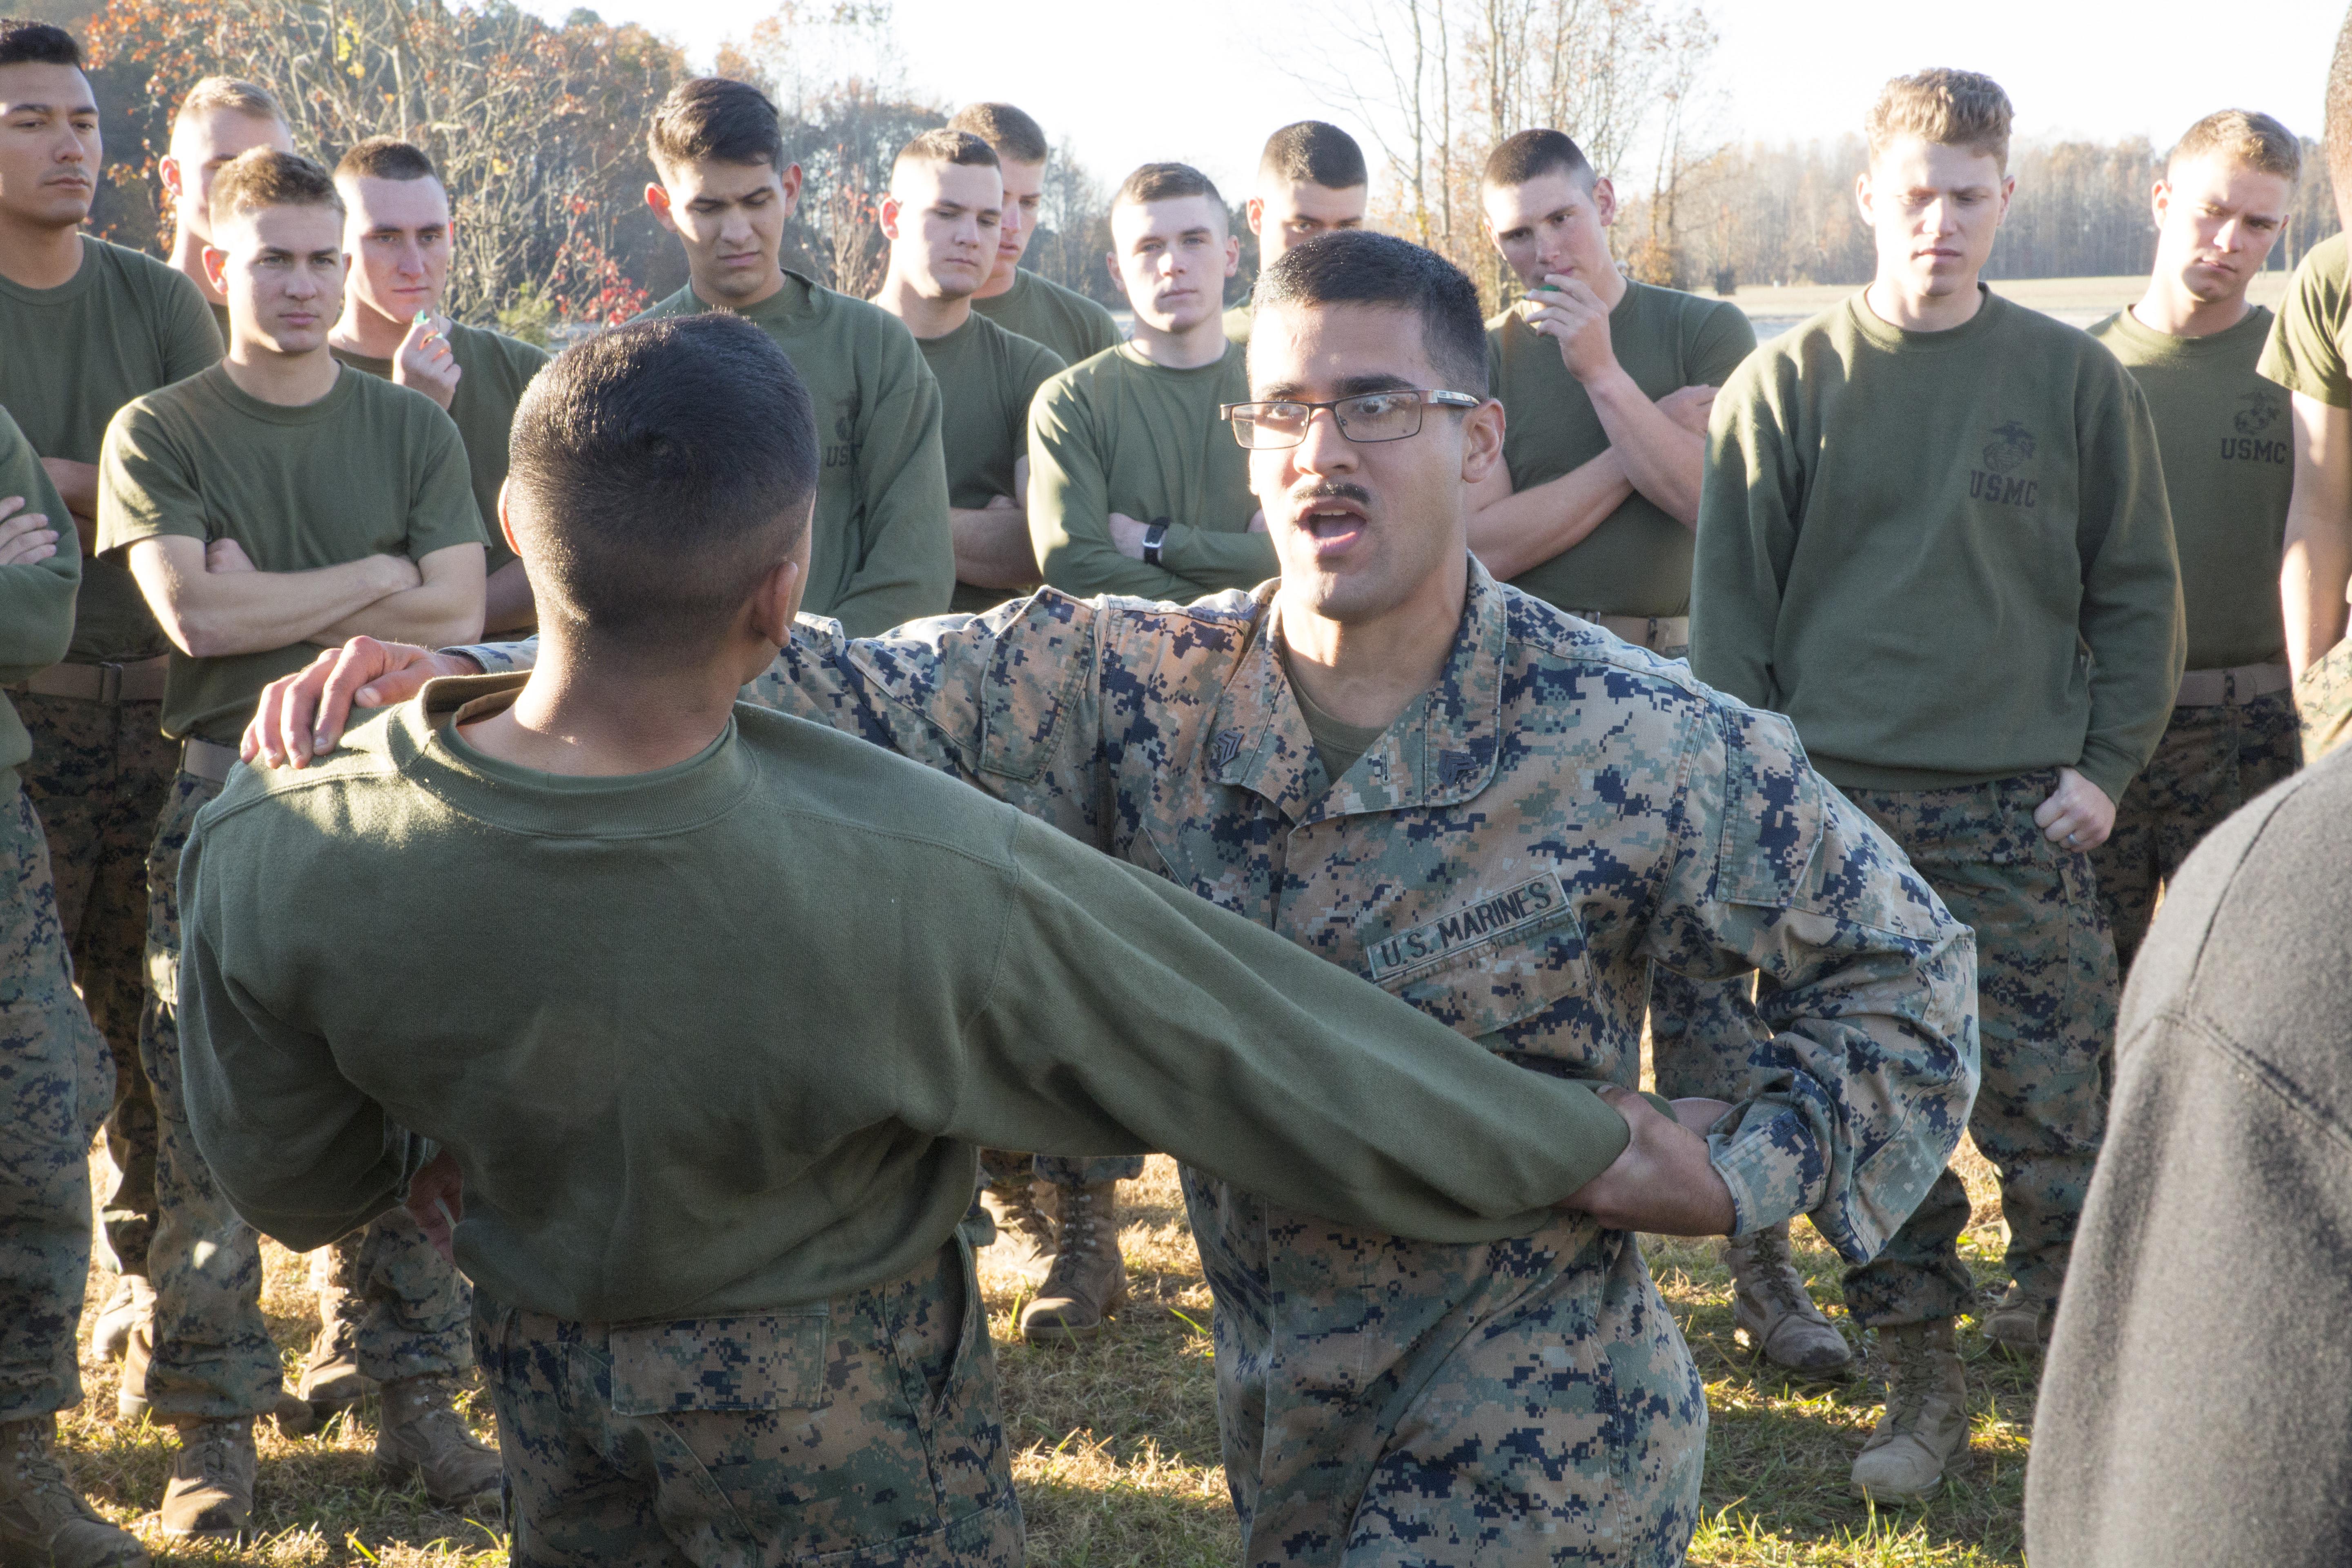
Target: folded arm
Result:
[[446, 605], [212, 615]]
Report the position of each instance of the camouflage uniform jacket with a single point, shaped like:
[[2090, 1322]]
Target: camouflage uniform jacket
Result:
[[1557, 812]]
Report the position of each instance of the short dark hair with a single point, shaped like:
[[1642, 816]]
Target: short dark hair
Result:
[[1017, 138], [1312, 153], [386, 158], [1166, 183], [948, 146], [1526, 155], [1357, 267], [261, 177], [2338, 125], [716, 117], [662, 468], [28, 43]]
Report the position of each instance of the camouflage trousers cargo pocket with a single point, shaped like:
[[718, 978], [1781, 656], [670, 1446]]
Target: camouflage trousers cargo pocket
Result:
[[863, 1432]]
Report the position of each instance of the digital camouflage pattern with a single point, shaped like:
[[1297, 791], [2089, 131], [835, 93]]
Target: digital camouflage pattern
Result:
[[56, 1078], [100, 776], [1558, 812], [861, 1430], [407, 1305], [2212, 759], [2046, 1007], [2323, 702]]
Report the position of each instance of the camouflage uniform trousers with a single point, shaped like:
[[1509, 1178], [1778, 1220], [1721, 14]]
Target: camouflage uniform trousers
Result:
[[865, 1430], [2046, 993], [213, 1355], [54, 1078], [100, 776], [2212, 759], [407, 1305], [1407, 1404], [2323, 702]]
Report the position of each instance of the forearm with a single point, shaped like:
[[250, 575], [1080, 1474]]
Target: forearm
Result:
[[2313, 577], [1662, 460], [507, 602], [1076, 556], [1522, 529], [991, 547], [215, 615], [37, 614], [1213, 561], [436, 615], [76, 484]]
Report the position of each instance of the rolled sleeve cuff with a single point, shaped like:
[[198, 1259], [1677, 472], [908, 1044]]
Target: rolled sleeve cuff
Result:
[[499, 658], [1774, 1166]]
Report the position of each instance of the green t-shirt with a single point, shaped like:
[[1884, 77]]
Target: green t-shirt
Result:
[[882, 552], [2310, 347], [812, 1137], [1945, 555], [1045, 313], [1339, 745], [987, 376], [1237, 323], [369, 469], [124, 324], [494, 369], [1118, 434], [36, 598], [1637, 561], [2228, 467], [220, 317]]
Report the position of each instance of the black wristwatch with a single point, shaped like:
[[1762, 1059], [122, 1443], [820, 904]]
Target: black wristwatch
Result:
[[1154, 537]]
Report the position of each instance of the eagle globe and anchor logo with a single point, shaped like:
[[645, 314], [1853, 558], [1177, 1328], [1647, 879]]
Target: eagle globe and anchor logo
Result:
[[2010, 448], [2261, 423]]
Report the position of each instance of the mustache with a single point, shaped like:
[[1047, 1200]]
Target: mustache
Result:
[[1335, 490]]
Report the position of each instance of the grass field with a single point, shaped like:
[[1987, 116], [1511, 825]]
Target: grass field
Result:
[[1116, 1441]]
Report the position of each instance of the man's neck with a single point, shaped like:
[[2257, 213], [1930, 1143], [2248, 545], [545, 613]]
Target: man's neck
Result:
[[999, 283], [41, 256], [584, 717], [1894, 302], [926, 315], [188, 260], [1609, 285], [290, 381], [1369, 672], [367, 332], [2168, 308], [1189, 349], [760, 296]]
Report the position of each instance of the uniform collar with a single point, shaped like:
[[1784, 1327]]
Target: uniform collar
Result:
[[1440, 750]]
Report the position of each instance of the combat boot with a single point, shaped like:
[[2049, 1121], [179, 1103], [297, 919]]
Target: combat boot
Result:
[[1025, 1235], [2019, 1324], [1088, 1279], [211, 1490], [1770, 1305], [44, 1520], [132, 1305], [130, 1398], [330, 1382], [421, 1436], [1926, 1420]]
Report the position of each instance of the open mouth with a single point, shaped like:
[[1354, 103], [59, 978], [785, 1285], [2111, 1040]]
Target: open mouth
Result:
[[1334, 523]]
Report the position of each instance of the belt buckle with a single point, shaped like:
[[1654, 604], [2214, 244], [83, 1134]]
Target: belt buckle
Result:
[[110, 683]]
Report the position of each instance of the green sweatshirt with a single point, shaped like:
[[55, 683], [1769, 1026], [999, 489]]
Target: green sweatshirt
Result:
[[1118, 434], [2228, 467], [1945, 555], [1237, 322], [69, 356], [36, 598], [369, 469], [883, 553], [987, 376], [1637, 561], [2311, 347], [494, 370], [657, 1119], [1045, 313]]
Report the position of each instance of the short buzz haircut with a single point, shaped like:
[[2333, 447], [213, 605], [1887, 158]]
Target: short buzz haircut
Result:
[[948, 146], [1166, 183], [385, 158], [713, 117], [1017, 138], [1527, 155], [1359, 267], [1943, 108], [2336, 128], [1312, 153], [660, 470], [2253, 140], [28, 43], [215, 93], [262, 177]]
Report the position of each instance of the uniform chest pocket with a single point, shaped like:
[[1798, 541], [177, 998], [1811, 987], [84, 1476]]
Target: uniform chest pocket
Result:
[[768, 1360], [1485, 962]]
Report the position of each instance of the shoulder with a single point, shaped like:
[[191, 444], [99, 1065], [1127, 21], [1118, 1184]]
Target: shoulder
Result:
[[145, 277], [1024, 358], [1542, 638], [2325, 271], [481, 346], [856, 788], [260, 804], [166, 408], [1078, 382], [682, 304], [1075, 303]]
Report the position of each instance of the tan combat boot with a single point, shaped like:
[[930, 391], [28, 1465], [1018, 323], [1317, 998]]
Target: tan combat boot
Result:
[[421, 1436], [1088, 1279], [1770, 1305], [1927, 1419], [2019, 1324], [211, 1490], [1025, 1235], [130, 1398], [43, 1519], [132, 1305], [330, 1382]]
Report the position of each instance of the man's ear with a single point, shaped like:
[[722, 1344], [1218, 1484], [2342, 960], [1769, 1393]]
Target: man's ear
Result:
[[1604, 201], [791, 180], [889, 213], [658, 198], [1862, 199], [776, 600], [506, 522], [2159, 198], [167, 169], [1233, 255], [1255, 209], [216, 263], [1482, 441]]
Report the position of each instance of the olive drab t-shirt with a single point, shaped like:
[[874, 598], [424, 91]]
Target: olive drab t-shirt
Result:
[[1637, 561], [1237, 322], [2228, 467], [494, 370], [987, 377], [882, 551], [1045, 313], [1120, 434], [2310, 346], [124, 324], [369, 469]]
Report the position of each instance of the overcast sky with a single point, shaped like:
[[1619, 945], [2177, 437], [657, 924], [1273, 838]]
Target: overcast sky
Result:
[[1127, 85]]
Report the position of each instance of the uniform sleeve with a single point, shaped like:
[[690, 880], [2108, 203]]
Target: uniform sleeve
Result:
[[192, 339], [36, 600], [1070, 505], [1748, 511], [1725, 340], [907, 569], [441, 507], [1212, 559], [1097, 327], [146, 488], [2132, 614], [2306, 348], [1867, 984]]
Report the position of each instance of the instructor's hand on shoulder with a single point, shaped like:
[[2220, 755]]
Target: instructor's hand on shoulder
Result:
[[302, 715], [1663, 1182]]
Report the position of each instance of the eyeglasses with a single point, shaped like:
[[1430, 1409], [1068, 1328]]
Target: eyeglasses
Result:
[[1370, 416]]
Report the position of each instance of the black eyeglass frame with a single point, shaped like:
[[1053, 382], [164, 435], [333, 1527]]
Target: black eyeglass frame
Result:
[[1423, 396]]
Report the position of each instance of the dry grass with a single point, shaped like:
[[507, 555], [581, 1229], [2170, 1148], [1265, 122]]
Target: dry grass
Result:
[[1116, 1440]]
